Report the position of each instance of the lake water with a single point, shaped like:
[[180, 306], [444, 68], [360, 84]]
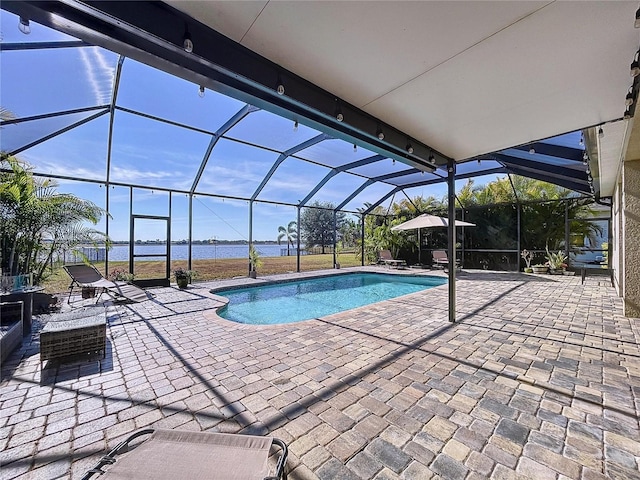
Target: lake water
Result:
[[198, 252]]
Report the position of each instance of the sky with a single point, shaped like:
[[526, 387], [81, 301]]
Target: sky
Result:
[[156, 154]]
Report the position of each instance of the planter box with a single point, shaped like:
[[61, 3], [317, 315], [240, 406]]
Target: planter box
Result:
[[88, 292], [540, 269]]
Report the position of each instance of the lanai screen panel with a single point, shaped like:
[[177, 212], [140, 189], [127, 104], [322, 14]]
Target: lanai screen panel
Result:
[[78, 153], [150, 153], [268, 222], [378, 168], [179, 217], [334, 153], [370, 194], [150, 202], [220, 219], [93, 192], [476, 167], [572, 140], [292, 181], [543, 159], [43, 81], [154, 92], [479, 181], [18, 136], [337, 188], [119, 223], [438, 191], [416, 177], [270, 131], [235, 169]]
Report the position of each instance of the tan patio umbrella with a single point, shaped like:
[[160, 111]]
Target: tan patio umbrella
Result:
[[428, 221]]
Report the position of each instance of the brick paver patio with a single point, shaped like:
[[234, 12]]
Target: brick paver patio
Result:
[[539, 378]]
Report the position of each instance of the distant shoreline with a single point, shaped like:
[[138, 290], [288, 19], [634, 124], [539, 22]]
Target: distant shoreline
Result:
[[195, 242]]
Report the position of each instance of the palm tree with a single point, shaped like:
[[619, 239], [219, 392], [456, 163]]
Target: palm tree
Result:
[[36, 221], [6, 114], [415, 206], [290, 233]]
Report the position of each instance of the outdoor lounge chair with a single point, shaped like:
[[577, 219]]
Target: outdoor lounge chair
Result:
[[384, 256], [87, 276], [440, 259], [175, 454]]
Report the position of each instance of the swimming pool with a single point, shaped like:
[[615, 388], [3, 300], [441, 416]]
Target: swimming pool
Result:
[[294, 301]]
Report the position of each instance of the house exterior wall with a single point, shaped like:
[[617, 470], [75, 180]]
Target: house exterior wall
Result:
[[630, 236], [616, 246]]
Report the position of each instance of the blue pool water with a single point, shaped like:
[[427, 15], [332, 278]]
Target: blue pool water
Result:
[[305, 299]]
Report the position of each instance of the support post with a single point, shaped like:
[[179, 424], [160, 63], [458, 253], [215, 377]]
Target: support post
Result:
[[189, 252], [566, 229], [451, 183], [335, 239], [519, 219], [168, 264], [106, 231], [298, 243], [362, 239], [131, 239], [250, 232]]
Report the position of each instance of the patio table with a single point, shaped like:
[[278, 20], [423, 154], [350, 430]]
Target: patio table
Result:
[[81, 331]]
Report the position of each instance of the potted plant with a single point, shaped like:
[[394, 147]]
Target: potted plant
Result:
[[556, 262], [184, 277], [121, 275], [255, 261], [540, 268], [527, 256]]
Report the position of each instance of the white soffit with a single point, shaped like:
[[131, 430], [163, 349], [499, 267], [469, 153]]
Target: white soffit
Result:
[[465, 77], [610, 154]]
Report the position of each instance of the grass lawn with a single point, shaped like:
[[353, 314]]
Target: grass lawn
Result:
[[213, 269]]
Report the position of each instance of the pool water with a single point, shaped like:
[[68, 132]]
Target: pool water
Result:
[[295, 301]]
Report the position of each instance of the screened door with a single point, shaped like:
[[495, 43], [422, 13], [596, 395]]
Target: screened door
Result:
[[150, 250]]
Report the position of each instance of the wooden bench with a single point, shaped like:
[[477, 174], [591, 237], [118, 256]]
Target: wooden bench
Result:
[[81, 331]]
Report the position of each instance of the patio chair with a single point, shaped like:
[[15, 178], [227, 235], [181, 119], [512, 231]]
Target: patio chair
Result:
[[173, 454], [384, 256], [441, 259], [87, 276]]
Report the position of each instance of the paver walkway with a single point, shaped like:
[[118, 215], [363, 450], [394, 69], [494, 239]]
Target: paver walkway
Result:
[[539, 378]]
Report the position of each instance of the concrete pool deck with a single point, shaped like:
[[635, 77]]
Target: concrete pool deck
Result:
[[539, 378]]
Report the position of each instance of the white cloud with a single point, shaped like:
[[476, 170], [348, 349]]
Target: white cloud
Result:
[[99, 74]]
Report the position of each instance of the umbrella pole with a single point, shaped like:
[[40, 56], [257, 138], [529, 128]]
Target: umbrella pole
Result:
[[419, 248]]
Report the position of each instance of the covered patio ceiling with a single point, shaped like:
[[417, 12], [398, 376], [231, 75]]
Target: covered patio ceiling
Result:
[[477, 82]]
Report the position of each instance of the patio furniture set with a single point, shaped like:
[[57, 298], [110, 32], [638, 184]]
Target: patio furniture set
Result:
[[165, 453], [440, 260]]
